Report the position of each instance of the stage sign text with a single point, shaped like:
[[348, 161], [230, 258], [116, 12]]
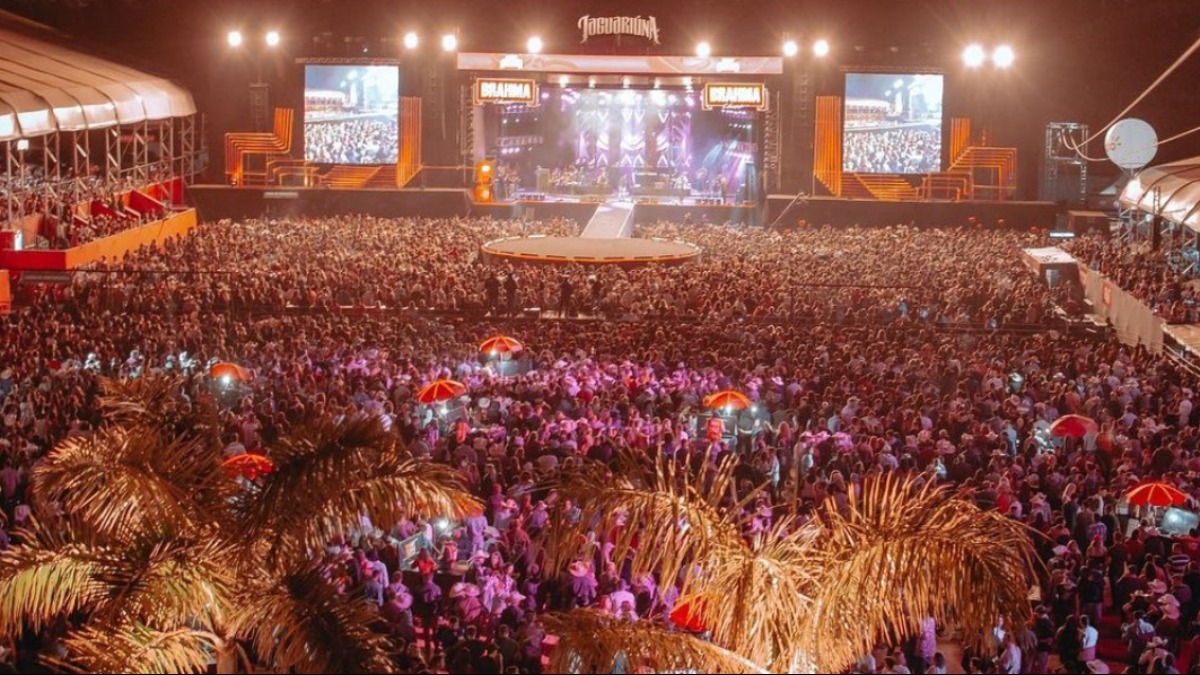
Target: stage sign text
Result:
[[489, 90], [741, 95], [633, 26]]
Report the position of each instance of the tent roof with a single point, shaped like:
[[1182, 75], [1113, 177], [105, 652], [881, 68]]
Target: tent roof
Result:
[[46, 87], [1170, 191]]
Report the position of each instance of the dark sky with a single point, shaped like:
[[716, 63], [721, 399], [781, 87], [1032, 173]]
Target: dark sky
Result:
[[1078, 60]]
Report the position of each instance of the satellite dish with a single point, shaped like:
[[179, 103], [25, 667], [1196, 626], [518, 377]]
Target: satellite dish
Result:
[[1131, 144]]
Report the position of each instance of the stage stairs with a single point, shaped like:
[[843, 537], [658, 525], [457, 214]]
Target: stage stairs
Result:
[[613, 220], [887, 188], [350, 177]]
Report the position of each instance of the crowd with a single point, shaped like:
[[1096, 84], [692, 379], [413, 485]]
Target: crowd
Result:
[[1142, 271], [855, 275], [368, 140], [912, 150], [840, 337]]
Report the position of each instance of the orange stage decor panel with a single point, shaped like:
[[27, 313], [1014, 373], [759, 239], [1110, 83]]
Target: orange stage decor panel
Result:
[[5, 293], [827, 160], [112, 248]]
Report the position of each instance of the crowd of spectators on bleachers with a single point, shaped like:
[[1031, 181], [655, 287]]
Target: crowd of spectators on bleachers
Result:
[[1144, 272]]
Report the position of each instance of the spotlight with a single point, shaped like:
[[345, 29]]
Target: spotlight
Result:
[[591, 83], [235, 38], [1004, 56], [534, 46], [443, 525], [449, 42], [22, 145], [411, 40], [821, 48], [790, 48], [704, 50], [273, 38], [563, 81], [974, 56]]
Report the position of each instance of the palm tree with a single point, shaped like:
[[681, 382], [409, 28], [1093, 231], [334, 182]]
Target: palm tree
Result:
[[799, 597], [146, 557]]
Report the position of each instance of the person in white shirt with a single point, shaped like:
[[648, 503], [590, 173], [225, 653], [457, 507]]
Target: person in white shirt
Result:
[[1089, 637], [939, 665], [1011, 657]]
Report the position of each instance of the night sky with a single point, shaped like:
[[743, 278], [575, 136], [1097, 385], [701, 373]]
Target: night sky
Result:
[[1077, 60]]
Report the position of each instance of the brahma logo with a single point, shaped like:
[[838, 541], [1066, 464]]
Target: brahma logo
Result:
[[506, 91], [735, 96]]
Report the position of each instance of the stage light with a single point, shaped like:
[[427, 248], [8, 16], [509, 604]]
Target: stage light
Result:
[[411, 40], [821, 48], [790, 48], [235, 38], [449, 42], [704, 50], [273, 38], [534, 46], [625, 81], [974, 56], [563, 81], [1004, 56], [22, 145], [591, 83]]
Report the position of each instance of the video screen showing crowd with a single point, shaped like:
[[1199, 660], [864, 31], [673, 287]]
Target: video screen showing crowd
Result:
[[893, 123], [351, 114]]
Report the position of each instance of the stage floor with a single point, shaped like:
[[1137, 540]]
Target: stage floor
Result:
[[572, 250]]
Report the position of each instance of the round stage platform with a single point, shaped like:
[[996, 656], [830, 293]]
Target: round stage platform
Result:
[[580, 251]]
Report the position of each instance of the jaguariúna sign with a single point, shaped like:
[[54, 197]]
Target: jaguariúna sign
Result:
[[634, 26]]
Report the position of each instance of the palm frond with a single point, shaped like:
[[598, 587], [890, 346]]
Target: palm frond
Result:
[[327, 476], [157, 402], [124, 481], [669, 519], [298, 623], [135, 649], [901, 553], [170, 582], [752, 597], [590, 642], [41, 582]]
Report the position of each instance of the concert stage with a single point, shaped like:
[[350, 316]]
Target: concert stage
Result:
[[572, 250]]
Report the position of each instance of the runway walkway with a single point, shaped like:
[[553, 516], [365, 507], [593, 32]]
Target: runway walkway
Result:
[[613, 220]]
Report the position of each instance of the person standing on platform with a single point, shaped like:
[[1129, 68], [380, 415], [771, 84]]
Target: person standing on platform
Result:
[[566, 291], [492, 289], [510, 293]]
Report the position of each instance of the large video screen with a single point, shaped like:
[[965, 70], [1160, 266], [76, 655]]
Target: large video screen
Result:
[[893, 123], [351, 114]]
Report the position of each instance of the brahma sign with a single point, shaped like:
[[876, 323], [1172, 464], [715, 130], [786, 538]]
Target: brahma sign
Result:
[[737, 95], [492, 90]]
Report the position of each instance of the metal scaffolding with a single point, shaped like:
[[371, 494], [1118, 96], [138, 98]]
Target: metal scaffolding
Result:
[[60, 167]]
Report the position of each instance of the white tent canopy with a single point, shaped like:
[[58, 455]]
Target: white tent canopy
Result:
[[1170, 191], [45, 87]]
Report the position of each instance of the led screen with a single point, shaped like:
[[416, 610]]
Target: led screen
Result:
[[350, 114], [893, 123]]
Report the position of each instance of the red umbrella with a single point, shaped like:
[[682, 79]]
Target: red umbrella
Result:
[[727, 399], [250, 467], [686, 616], [1073, 426], [228, 372], [500, 344], [440, 390], [1155, 494]]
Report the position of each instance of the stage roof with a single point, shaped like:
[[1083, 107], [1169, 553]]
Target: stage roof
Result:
[[46, 87], [1170, 191]]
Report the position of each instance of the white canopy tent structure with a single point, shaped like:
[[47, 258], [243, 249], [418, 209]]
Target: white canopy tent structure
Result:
[[1168, 197], [75, 119]]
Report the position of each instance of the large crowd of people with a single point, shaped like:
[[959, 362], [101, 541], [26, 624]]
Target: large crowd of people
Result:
[[865, 350]]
